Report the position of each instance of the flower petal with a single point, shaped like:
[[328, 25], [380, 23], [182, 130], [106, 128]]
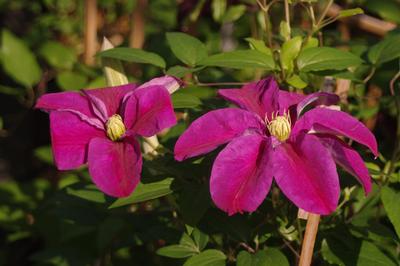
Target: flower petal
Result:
[[240, 178], [324, 120], [306, 173], [148, 111], [170, 83], [70, 137], [287, 99], [110, 98], [317, 98], [213, 129], [115, 167], [259, 97], [348, 159], [72, 102]]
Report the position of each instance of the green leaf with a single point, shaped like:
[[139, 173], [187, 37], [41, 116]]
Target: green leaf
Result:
[[326, 58], [89, 192], [350, 12], [372, 255], [218, 8], [240, 59], [181, 71], [296, 82], [144, 192], [186, 248], [209, 257], [17, 92], [186, 48], [176, 251], [58, 55], [134, 56], [269, 257], [259, 46], [290, 50], [391, 202], [311, 43], [385, 51], [71, 80], [44, 154], [184, 100], [18, 61], [234, 13], [284, 30], [390, 10], [200, 239]]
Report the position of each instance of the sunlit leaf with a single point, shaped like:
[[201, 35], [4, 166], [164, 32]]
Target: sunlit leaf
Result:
[[210, 257], [326, 58], [391, 202], [18, 61], [134, 56], [58, 55], [240, 59], [146, 191], [186, 48], [385, 51]]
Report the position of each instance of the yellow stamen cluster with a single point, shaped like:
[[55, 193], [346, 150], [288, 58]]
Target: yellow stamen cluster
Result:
[[280, 126], [115, 127]]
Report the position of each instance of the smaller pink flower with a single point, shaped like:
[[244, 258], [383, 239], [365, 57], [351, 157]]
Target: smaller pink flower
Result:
[[101, 126], [274, 135]]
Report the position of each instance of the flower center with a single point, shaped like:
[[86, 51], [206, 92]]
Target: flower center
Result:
[[115, 127], [280, 126]]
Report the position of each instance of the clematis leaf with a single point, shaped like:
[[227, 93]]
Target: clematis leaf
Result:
[[268, 257], [259, 45], [240, 59], [218, 9], [350, 12], [186, 48], [391, 202], [18, 61], [209, 257], [326, 58], [146, 191], [385, 51], [290, 50], [176, 251], [234, 13], [186, 248], [69, 80], [58, 55], [185, 100], [134, 56], [89, 192]]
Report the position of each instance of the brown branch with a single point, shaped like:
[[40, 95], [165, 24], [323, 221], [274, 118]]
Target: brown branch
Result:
[[90, 32]]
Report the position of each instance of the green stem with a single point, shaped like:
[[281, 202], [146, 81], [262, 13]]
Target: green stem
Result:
[[323, 15]]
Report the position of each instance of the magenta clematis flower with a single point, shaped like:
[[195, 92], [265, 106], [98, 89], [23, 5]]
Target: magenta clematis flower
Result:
[[100, 127], [275, 135]]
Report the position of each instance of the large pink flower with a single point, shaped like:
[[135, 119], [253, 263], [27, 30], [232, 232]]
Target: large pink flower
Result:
[[275, 135], [100, 127]]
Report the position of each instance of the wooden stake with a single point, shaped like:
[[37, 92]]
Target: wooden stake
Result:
[[307, 249], [136, 38], [90, 32]]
